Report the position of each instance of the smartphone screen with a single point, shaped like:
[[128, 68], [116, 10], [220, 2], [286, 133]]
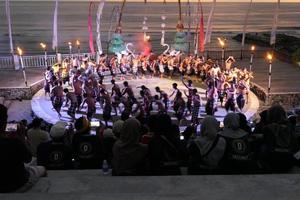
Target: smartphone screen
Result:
[[181, 137], [95, 124], [11, 127]]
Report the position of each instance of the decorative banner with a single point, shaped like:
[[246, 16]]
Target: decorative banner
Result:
[[7, 9], [209, 24], [99, 13], [201, 31], [54, 38], [245, 24], [90, 27], [275, 23]]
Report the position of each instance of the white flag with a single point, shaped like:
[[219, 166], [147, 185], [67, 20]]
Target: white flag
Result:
[[99, 13], [54, 39], [209, 24], [275, 23], [7, 9], [245, 24]]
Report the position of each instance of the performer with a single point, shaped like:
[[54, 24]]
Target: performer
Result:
[[116, 95], [175, 90], [196, 99], [70, 96], [231, 97], [48, 75], [91, 106], [189, 96], [130, 95], [57, 95], [107, 106], [179, 105], [77, 87], [212, 97], [163, 96]]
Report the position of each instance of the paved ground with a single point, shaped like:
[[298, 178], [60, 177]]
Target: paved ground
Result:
[[91, 184], [285, 76], [12, 78]]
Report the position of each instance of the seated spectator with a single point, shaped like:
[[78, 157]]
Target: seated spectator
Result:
[[128, 154], [117, 127], [164, 151], [276, 153], [15, 177], [151, 126], [108, 142], [207, 151], [55, 154], [87, 148], [36, 135], [244, 123], [239, 157], [262, 122]]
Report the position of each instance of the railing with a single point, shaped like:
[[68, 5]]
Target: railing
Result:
[[6, 62], [39, 60]]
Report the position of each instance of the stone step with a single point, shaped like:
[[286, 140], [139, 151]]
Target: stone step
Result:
[[91, 184]]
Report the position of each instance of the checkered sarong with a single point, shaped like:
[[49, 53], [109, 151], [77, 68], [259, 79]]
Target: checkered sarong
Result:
[[57, 102], [195, 114], [72, 108]]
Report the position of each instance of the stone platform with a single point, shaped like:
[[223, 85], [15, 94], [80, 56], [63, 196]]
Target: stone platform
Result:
[[42, 107], [12, 84]]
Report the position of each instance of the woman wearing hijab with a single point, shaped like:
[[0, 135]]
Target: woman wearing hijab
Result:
[[128, 154], [239, 155], [276, 152], [207, 151]]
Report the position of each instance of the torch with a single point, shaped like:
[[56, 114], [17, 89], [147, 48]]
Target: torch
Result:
[[44, 46], [20, 52]]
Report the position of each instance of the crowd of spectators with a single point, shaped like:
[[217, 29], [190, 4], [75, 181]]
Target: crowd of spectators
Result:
[[151, 146]]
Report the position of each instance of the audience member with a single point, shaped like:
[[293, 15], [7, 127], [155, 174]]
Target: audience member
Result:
[[207, 151], [55, 154], [15, 176], [36, 135], [128, 154], [276, 153], [164, 152]]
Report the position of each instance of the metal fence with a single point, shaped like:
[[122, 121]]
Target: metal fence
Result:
[[39, 60]]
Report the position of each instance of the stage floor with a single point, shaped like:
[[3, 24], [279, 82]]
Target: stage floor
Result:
[[42, 106]]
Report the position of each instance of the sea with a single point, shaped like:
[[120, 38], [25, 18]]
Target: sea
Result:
[[32, 22]]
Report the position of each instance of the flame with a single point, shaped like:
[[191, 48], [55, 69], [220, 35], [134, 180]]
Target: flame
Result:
[[20, 52], [221, 42], [43, 45], [252, 48], [269, 56], [77, 43]]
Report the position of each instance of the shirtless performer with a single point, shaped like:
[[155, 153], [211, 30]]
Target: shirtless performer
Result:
[[57, 96], [70, 96]]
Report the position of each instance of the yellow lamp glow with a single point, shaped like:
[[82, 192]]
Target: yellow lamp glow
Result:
[[20, 52], [43, 45], [221, 42], [269, 56]]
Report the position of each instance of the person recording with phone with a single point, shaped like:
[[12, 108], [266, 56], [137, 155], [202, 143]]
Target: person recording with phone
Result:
[[14, 175]]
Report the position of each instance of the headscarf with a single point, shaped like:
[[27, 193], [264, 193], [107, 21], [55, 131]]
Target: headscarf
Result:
[[130, 133], [276, 114], [232, 126], [127, 151], [117, 128], [209, 130]]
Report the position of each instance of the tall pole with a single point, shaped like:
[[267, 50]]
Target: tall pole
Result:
[[44, 46], [270, 58], [251, 58], [20, 52], [70, 49]]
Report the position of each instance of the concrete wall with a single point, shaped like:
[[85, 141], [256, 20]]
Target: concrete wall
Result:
[[21, 93]]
